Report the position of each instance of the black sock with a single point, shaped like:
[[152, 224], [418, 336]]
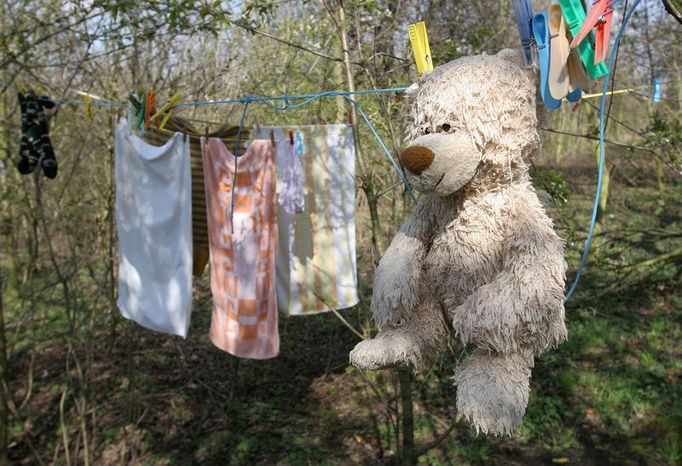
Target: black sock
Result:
[[48, 162], [35, 146], [27, 161]]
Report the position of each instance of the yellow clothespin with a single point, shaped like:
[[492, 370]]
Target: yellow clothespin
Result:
[[420, 47], [88, 107], [19, 84], [167, 109]]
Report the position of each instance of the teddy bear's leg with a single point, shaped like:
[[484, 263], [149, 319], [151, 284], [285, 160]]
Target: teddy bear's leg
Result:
[[492, 389], [413, 342]]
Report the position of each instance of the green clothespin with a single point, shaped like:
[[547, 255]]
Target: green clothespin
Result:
[[575, 16], [140, 116]]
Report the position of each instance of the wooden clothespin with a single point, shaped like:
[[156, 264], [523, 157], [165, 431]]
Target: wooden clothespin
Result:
[[20, 85], [420, 47], [291, 138], [150, 108], [272, 139], [598, 18], [350, 119], [88, 107], [166, 109]]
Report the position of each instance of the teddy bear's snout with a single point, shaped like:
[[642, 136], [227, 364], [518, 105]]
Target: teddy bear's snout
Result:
[[417, 158]]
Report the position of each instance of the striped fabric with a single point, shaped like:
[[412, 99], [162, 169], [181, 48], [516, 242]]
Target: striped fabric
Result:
[[158, 137], [316, 264]]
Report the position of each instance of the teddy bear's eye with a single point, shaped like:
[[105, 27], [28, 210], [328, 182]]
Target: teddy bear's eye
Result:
[[427, 130], [445, 127]]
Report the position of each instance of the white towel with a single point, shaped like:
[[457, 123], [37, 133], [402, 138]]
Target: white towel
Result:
[[316, 263], [154, 223]]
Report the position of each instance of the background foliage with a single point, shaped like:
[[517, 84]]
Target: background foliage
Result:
[[80, 385]]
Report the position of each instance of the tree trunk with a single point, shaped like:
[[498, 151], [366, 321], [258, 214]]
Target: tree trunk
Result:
[[365, 174]]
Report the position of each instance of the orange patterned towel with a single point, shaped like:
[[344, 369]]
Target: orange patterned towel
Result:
[[242, 261]]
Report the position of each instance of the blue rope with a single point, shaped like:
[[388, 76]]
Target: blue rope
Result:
[[310, 98], [307, 100], [401, 174], [602, 109]]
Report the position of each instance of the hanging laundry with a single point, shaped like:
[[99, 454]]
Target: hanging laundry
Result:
[[291, 194], [154, 223], [316, 263], [158, 137], [244, 321], [35, 146]]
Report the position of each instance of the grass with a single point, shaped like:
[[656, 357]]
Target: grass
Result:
[[609, 395]]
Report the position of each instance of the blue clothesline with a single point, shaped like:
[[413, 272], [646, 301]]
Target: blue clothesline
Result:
[[285, 98], [600, 176], [307, 99]]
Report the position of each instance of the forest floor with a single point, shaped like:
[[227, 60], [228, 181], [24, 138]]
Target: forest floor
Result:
[[610, 395]]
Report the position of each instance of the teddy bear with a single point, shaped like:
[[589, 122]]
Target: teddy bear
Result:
[[478, 258]]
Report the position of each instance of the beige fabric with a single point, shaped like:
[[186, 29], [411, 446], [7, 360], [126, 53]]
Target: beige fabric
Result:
[[245, 317], [558, 57], [479, 261], [316, 263]]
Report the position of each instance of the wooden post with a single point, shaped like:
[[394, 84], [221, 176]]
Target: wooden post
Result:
[[407, 453]]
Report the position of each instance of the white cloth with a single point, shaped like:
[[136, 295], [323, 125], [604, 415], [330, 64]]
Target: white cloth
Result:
[[154, 223], [316, 263]]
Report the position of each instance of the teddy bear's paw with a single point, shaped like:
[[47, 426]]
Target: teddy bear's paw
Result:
[[492, 390], [386, 350]]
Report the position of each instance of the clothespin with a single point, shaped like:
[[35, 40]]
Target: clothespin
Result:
[[141, 113], [350, 119], [524, 14], [420, 47], [299, 144], [291, 137], [88, 107], [656, 94], [134, 100], [20, 85], [575, 17], [272, 139], [167, 108], [149, 108], [598, 18]]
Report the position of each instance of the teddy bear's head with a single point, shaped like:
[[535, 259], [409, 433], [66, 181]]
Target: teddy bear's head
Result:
[[474, 116]]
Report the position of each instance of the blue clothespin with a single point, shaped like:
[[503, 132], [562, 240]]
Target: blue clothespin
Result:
[[299, 147], [543, 40], [524, 14], [656, 95]]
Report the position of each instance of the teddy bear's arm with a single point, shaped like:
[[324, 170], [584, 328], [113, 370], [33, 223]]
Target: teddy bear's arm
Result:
[[522, 307], [397, 278]]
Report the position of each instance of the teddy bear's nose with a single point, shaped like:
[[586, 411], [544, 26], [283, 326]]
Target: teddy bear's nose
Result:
[[417, 158]]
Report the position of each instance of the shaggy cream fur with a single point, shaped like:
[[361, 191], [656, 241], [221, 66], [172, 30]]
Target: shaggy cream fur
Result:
[[478, 258]]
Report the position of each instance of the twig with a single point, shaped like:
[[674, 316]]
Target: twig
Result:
[[595, 138], [337, 314], [62, 426], [436, 442], [291, 44], [660, 258]]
